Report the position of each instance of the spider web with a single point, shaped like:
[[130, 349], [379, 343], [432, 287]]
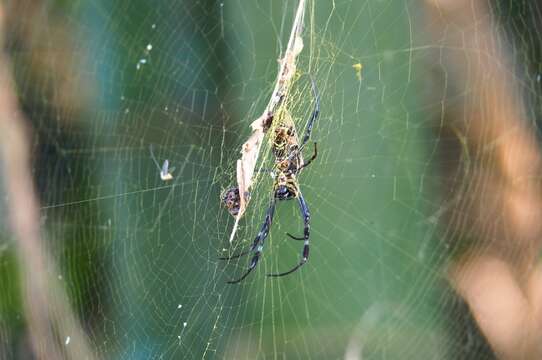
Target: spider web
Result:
[[139, 256]]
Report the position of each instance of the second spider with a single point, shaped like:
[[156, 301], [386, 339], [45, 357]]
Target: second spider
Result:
[[288, 163]]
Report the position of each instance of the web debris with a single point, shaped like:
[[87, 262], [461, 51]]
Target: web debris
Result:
[[251, 148], [357, 68], [182, 332], [141, 62]]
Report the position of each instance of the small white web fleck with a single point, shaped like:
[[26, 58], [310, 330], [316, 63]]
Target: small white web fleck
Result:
[[141, 62]]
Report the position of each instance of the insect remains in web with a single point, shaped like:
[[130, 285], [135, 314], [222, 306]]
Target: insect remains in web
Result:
[[288, 164], [165, 171]]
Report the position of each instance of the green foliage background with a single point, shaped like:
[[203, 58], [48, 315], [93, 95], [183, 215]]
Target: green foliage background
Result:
[[131, 249]]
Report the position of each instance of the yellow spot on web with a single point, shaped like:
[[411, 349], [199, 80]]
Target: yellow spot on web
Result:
[[358, 67]]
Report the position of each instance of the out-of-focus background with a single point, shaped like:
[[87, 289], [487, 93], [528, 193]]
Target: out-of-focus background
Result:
[[425, 194]]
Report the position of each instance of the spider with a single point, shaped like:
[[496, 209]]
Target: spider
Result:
[[232, 200], [287, 166]]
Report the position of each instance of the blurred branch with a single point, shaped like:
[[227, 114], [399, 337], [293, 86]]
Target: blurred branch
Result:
[[49, 315], [51, 59], [495, 220]]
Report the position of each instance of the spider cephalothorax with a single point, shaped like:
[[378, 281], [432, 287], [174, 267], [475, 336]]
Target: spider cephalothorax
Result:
[[287, 165]]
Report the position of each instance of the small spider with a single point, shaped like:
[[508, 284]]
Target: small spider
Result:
[[287, 166], [232, 200]]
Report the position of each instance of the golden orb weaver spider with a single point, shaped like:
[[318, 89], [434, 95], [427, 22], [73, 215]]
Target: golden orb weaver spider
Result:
[[288, 164]]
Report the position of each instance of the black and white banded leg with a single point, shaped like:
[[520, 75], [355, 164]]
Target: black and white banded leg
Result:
[[306, 233], [314, 116], [257, 245]]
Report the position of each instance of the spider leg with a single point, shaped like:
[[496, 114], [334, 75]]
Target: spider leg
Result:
[[236, 256], [311, 159], [257, 244], [253, 264], [270, 212], [306, 232], [295, 237], [313, 117]]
